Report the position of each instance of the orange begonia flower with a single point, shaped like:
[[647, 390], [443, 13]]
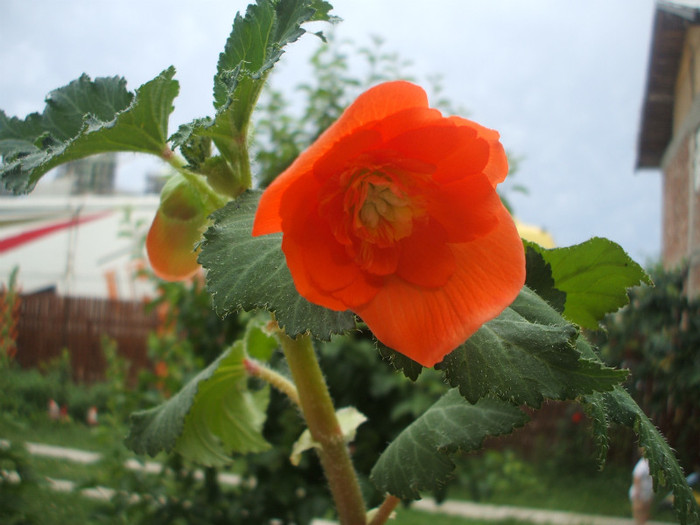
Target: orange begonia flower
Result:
[[393, 214], [177, 227]]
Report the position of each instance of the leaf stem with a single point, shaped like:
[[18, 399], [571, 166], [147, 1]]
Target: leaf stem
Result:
[[245, 177], [383, 513], [319, 412], [196, 180], [277, 380]]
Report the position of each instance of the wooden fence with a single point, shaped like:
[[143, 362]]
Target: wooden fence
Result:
[[48, 323]]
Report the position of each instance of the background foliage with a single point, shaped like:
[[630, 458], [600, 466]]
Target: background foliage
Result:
[[657, 338]]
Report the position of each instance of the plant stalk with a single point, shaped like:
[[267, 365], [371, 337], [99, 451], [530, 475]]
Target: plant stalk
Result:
[[385, 510], [197, 180], [319, 412], [277, 380]]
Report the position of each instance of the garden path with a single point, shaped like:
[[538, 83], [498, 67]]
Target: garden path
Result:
[[484, 511], [450, 507]]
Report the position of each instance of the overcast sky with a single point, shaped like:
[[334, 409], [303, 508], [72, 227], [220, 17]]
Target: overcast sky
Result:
[[562, 80]]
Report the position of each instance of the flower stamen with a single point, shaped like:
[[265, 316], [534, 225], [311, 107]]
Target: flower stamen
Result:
[[380, 211]]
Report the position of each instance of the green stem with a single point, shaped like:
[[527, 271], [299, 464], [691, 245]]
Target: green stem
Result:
[[245, 177], [277, 380], [319, 412], [385, 510], [196, 180]]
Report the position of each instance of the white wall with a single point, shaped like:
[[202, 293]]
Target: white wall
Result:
[[76, 259]]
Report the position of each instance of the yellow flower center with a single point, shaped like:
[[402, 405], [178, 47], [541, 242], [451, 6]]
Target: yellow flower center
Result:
[[383, 213], [370, 209]]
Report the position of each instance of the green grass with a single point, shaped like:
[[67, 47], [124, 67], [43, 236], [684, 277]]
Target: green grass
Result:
[[582, 490], [44, 506], [417, 517], [57, 508], [588, 491], [39, 429]]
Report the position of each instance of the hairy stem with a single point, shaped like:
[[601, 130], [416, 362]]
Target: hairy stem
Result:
[[319, 412], [277, 380], [384, 511], [196, 180]]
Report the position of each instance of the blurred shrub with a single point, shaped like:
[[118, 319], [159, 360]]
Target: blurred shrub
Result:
[[657, 337], [9, 317], [494, 471], [16, 483]]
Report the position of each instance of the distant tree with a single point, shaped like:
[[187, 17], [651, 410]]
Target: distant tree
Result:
[[658, 338]]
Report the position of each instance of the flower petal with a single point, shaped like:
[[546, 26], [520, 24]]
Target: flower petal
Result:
[[320, 266], [428, 144], [374, 104], [419, 117], [426, 258], [427, 324], [466, 208], [337, 158], [324, 275], [379, 103], [496, 167]]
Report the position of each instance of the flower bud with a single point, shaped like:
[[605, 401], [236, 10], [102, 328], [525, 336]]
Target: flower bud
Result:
[[177, 227]]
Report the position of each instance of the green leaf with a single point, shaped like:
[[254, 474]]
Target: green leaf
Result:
[[186, 136], [620, 408], [196, 151], [349, 418], [526, 354], [419, 459], [259, 342], [213, 416], [84, 118], [599, 417], [410, 368], [245, 272], [594, 275], [255, 44], [539, 278]]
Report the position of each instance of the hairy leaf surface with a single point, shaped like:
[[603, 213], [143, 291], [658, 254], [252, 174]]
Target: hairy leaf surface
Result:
[[256, 43], [419, 459], [213, 416], [245, 273], [410, 368], [619, 407], [526, 354], [84, 118], [539, 278]]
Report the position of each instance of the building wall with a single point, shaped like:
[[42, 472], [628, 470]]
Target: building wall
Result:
[[80, 245], [675, 208], [681, 168], [688, 81], [693, 199]]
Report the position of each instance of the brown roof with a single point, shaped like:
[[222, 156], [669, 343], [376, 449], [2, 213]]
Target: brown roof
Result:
[[668, 34]]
